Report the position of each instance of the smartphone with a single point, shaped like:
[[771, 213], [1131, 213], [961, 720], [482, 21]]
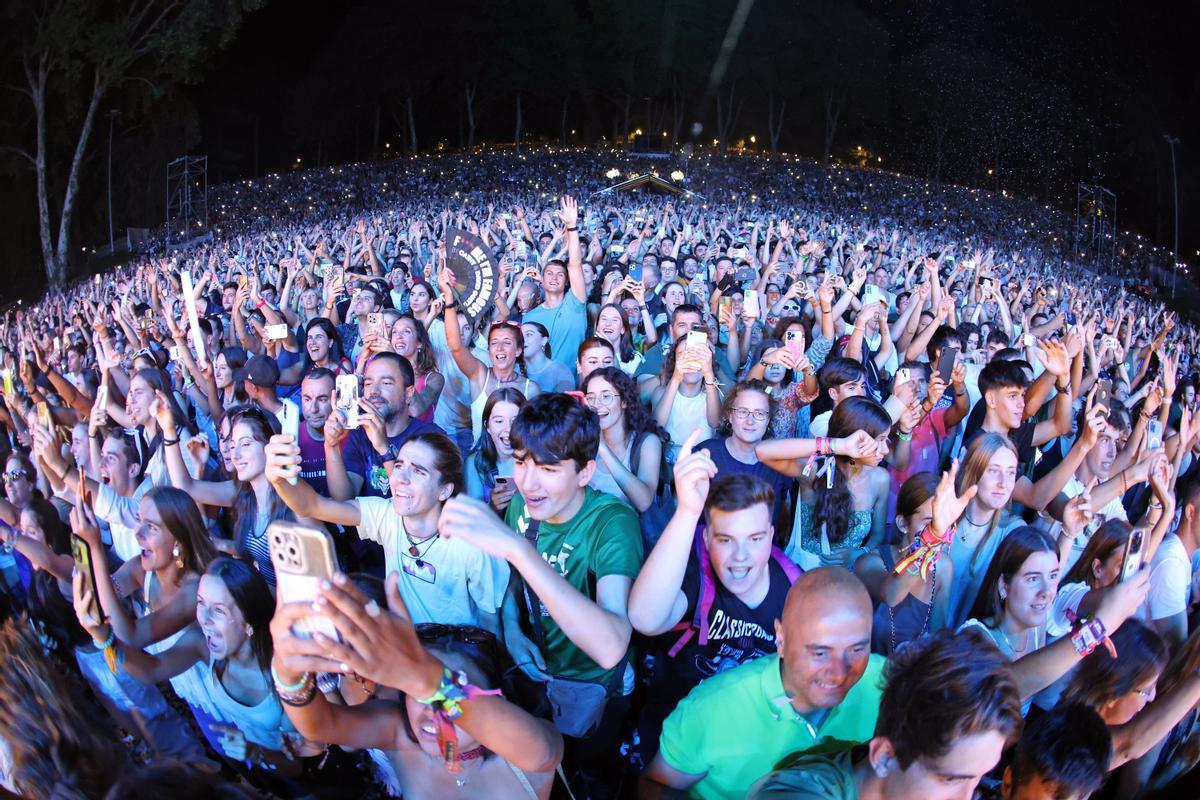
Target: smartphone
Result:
[[871, 294], [346, 398], [1131, 562], [635, 273], [697, 339], [276, 332], [902, 377], [724, 307], [174, 352], [946, 364], [102, 396], [1029, 340], [8, 381], [1103, 393], [1070, 318], [303, 557], [376, 325], [502, 483], [793, 340], [81, 552], [289, 421], [1154, 434], [750, 303], [96, 280], [43, 412], [242, 281]]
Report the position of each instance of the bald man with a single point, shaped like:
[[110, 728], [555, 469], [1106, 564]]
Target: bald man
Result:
[[820, 690]]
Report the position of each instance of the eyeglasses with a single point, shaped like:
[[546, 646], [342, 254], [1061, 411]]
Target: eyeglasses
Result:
[[16, 474], [746, 413], [601, 399]]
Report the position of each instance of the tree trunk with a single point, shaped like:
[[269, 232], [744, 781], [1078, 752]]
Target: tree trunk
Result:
[[833, 109], [37, 92], [775, 122], [470, 91], [517, 133], [412, 125], [68, 205]]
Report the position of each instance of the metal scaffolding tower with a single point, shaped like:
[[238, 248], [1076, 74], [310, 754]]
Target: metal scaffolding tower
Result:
[[1095, 227], [187, 199]]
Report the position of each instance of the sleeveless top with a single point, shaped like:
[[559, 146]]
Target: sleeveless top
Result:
[[603, 480], [907, 620], [480, 400], [807, 546], [417, 389], [187, 684], [687, 414]]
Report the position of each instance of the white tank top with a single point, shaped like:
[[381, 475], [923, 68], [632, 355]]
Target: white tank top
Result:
[[188, 684], [687, 414]]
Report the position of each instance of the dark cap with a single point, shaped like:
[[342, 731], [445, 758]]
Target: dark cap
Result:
[[259, 370]]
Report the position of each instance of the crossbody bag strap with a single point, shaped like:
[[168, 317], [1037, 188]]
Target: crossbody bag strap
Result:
[[531, 599]]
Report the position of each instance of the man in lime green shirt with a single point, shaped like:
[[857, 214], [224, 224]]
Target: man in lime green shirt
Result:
[[819, 693]]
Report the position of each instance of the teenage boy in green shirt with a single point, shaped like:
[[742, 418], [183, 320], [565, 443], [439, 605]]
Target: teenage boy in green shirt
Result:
[[575, 552]]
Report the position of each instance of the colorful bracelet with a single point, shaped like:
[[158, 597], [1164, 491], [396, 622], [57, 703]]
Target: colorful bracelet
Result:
[[926, 548], [1089, 633], [294, 687], [107, 643], [902, 436]]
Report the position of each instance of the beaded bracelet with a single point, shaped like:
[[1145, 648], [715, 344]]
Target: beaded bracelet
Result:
[[107, 643], [294, 687]]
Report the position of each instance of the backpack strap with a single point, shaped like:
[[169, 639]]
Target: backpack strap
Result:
[[703, 602], [789, 567]]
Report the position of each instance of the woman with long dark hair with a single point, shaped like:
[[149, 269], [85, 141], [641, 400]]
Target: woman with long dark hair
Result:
[[489, 465], [410, 339], [613, 327], [322, 348], [631, 442], [237, 709], [254, 501], [841, 517]]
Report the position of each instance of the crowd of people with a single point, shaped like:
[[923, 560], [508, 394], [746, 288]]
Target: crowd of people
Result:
[[815, 483]]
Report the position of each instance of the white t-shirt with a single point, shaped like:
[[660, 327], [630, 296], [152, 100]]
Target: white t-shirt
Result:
[[1112, 510], [121, 515], [455, 584], [820, 424], [1170, 578]]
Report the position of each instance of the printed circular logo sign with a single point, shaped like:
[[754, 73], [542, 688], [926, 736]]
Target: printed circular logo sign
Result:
[[475, 273]]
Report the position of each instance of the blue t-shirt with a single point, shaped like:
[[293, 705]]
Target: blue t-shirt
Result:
[[361, 459], [567, 324]]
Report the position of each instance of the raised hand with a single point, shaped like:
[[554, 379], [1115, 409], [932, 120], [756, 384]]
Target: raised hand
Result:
[[693, 472], [948, 504]]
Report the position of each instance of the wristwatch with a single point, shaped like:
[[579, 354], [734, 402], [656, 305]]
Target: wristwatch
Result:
[[391, 454]]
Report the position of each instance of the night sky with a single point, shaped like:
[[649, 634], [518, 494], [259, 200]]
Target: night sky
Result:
[[1065, 91]]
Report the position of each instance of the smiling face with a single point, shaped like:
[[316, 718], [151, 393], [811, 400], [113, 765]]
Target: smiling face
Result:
[[749, 416], [137, 402], [404, 338], [384, 388], [825, 649], [318, 344], [593, 359], [222, 374], [603, 398], [225, 445], [1031, 590], [739, 547], [610, 324], [246, 451], [416, 484], [225, 630], [499, 424], [504, 347], [998, 480], [554, 278], [552, 492]]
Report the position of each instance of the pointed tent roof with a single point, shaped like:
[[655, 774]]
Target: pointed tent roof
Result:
[[651, 183]]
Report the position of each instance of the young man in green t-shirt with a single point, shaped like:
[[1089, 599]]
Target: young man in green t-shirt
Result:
[[575, 552], [950, 707]]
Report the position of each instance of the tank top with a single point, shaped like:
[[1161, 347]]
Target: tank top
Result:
[[187, 684], [687, 415], [491, 384], [603, 480]]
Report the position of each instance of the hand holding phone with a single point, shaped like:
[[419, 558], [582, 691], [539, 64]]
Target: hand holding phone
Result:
[[303, 557], [946, 363]]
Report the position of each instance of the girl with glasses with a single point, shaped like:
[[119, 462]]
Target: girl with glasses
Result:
[[630, 456]]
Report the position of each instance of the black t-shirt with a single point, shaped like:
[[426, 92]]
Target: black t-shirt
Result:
[[728, 465], [1021, 437], [736, 634]]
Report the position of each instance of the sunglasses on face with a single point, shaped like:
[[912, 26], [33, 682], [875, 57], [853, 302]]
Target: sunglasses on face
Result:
[[15, 475]]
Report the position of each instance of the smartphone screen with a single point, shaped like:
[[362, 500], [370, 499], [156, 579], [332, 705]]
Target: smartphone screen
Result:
[[946, 364], [346, 398], [276, 332], [1154, 434], [750, 304], [1132, 561]]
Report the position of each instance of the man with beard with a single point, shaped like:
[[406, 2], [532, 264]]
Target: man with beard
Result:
[[357, 467]]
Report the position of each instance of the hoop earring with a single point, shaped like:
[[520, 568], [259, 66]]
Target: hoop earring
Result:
[[178, 560]]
